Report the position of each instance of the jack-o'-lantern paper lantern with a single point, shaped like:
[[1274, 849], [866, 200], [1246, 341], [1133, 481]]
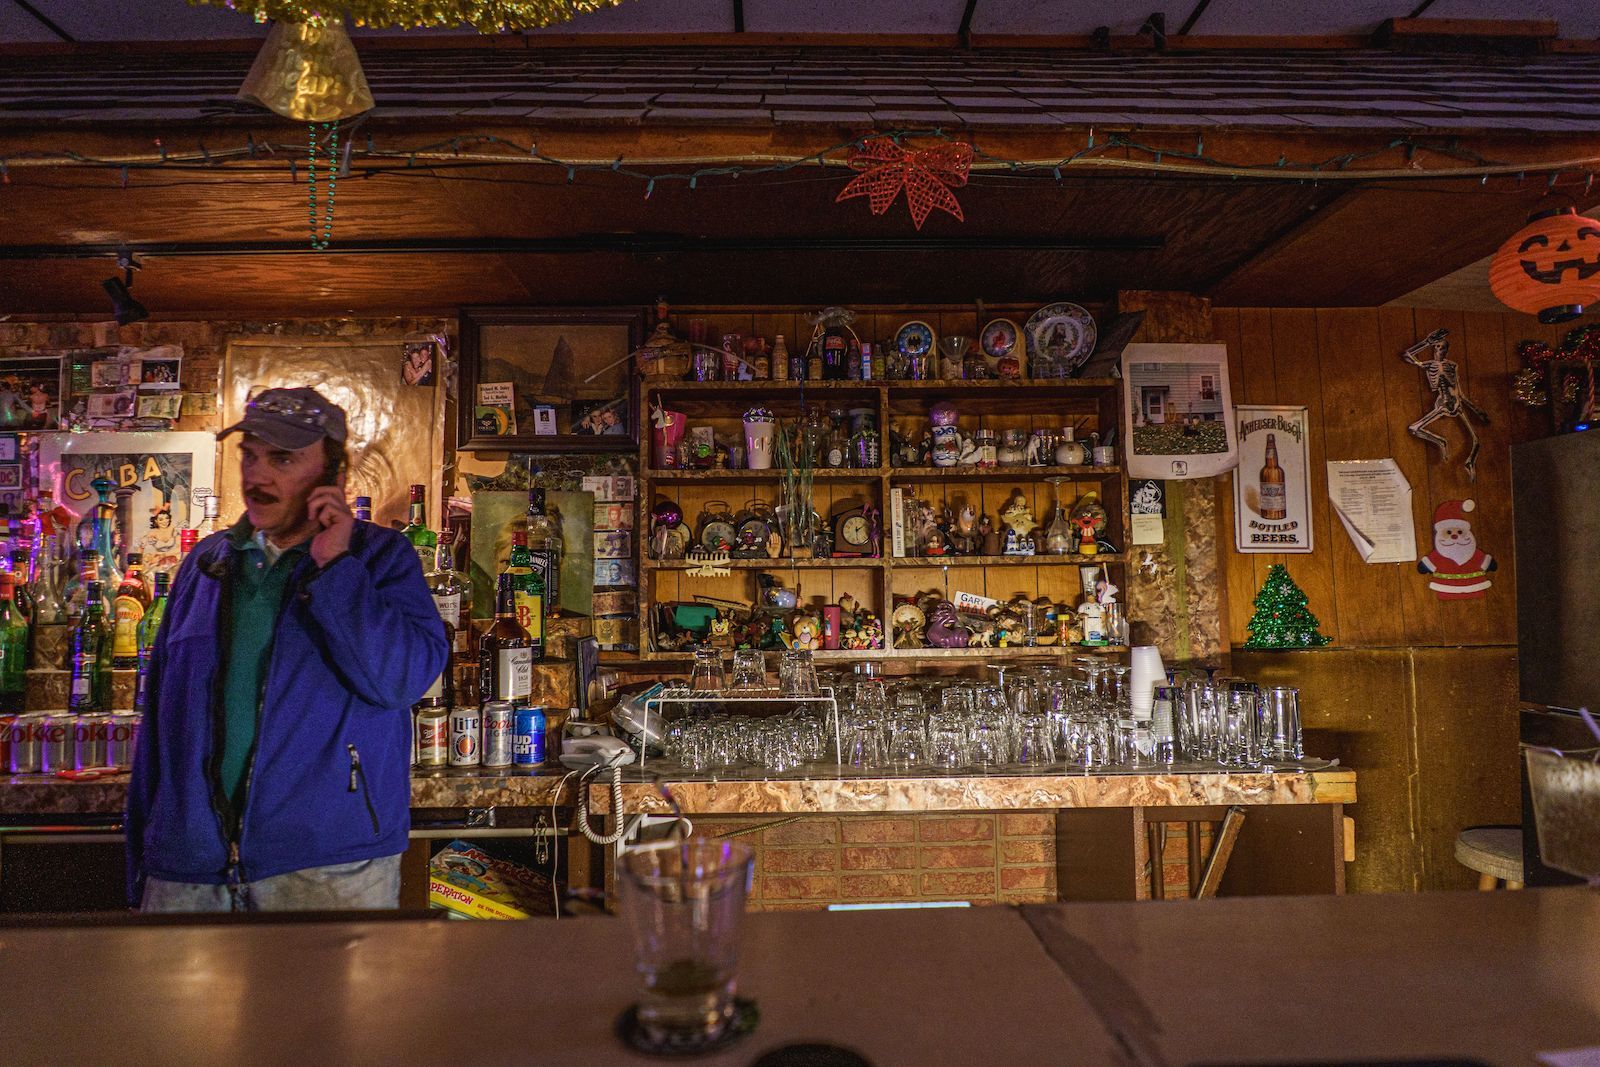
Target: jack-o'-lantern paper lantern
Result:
[[1550, 267]]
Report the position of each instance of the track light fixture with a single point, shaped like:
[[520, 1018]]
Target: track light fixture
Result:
[[123, 306]]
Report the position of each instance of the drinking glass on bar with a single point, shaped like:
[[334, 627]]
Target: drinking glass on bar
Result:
[[1280, 718], [797, 675], [749, 669], [683, 901], [707, 676]]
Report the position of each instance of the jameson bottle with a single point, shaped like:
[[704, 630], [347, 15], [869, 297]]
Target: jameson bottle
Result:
[[544, 545], [505, 655], [13, 648], [149, 626], [1274, 493], [127, 611], [91, 656], [422, 539], [527, 588]]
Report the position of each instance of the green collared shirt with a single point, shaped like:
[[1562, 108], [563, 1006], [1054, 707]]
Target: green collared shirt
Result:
[[261, 582]]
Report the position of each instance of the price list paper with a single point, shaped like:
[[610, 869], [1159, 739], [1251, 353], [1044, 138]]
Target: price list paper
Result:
[[1373, 501]]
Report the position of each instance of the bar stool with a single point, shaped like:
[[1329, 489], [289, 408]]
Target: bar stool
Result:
[[1495, 852]]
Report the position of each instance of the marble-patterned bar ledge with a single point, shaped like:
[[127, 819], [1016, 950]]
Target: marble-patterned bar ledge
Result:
[[1017, 792]]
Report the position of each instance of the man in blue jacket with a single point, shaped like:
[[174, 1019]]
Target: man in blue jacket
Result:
[[273, 765]]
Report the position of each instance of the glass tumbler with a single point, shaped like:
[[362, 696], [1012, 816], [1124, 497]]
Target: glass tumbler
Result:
[[1280, 723], [749, 669], [1036, 745], [683, 901], [707, 676], [797, 674]]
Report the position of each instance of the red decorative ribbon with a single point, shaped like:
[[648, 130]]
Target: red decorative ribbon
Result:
[[926, 174]]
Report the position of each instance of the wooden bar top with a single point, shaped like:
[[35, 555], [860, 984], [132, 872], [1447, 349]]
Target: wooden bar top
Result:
[[985, 792], [1497, 977]]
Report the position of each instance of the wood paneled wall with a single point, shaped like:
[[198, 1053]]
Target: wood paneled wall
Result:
[[1418, 695]]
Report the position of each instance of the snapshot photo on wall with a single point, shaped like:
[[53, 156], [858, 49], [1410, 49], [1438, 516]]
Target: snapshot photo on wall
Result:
[[1177, 411], [30, 392], [1272, 487]]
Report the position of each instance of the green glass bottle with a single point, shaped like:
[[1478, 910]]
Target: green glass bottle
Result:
[[91, 656], [13, 648], [528, 592], [149, 626], [424, 540]]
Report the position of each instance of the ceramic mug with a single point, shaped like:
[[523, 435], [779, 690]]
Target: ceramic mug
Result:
[[758, 441]]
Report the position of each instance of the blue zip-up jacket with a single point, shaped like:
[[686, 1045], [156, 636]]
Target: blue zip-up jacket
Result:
[[358, 642]]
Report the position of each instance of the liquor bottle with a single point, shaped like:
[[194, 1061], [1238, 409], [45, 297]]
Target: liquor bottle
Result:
[[22, 572], [446, 592], [105, 543], [78, 587], [1274, 492], [363, 509], [187, 539], [91, 655], [868, 369], [527, 587], [208, 524], [422, 539], [13, 648], [149, 626], [127, 610], [505, 655], [49, 606], [780, 359], [544, 545]]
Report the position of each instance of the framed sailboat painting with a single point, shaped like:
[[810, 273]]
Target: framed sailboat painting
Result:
[[570, 359]]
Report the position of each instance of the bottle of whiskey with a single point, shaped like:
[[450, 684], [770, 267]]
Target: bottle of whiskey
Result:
[[127, 611], [780, 359], [527, 592], [505, 655], [91, 655], [1274, 493], [13, 648], [208, 524], [544, 545], [447, 599], [422, 539], [21, 571], [149, 626], [78, 587]]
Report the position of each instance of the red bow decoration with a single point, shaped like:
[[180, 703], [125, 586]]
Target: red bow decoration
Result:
[[1581, 345], [926, 174]]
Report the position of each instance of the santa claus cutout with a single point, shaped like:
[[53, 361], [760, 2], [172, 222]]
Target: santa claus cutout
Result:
[[1459, 568]]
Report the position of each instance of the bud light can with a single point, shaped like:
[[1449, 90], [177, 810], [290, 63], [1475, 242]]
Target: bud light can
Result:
[[59, 731], [528, 739], [433, 737], [497, 723], [466, 746]]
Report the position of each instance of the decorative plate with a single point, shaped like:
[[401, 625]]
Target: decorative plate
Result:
[[999, 338], [915, 338], [1060, 340]]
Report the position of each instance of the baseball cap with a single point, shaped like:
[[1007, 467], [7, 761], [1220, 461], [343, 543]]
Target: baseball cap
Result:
[[290, 418]]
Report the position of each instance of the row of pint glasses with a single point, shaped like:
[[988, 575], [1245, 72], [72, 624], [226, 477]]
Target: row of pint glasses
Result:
[[499, 734], [1025, 718], [44, 742]]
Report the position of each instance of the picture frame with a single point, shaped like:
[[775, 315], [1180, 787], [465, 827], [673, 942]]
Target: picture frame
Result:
[[10, 447], [1177, 413], [32, 386], [10, 476], [1272, 494], [160, 374], [111, 373], [552, 356]]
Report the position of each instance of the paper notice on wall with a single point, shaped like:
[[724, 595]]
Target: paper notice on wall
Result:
[[1373, 501]]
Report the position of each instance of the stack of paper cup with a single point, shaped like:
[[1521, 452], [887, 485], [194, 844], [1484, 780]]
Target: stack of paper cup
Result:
[[1147, 673]]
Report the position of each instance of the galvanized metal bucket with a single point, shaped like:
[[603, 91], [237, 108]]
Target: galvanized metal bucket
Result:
[[1566, 807]]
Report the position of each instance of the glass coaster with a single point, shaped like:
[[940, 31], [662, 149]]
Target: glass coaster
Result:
[[745, 1017]]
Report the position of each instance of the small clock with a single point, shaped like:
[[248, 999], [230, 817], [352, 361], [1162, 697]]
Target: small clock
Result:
[[856, 532], [714, 528], [751, 528]]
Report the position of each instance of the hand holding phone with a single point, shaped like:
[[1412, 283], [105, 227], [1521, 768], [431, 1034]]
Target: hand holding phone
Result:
[[327, 507]]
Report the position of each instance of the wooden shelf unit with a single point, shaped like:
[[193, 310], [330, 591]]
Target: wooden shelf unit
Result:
[[1041, 404]]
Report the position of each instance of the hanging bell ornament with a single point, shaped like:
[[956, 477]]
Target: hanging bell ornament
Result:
[[308, 71]]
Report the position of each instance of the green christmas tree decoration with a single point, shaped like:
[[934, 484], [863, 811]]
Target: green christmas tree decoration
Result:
[[1282, 619]]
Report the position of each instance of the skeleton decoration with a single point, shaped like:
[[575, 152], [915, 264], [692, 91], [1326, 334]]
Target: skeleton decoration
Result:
[[1449, 402]]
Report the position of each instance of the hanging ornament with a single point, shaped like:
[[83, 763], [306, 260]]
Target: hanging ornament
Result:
[[308, 71], [1531, 385], [1281, 618], [1449, 398], [331, 131], [485, 16], [926, 174], [1550, 267]]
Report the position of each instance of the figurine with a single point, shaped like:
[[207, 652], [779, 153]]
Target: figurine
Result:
[[1017, 515], [1449, 400], [944, 629], [807, 633], [774, 545], [910, 626], [1011, 547], [721, 633], [848, 605], [989, 538], [969, 453], [1086, 542], [966, 539]]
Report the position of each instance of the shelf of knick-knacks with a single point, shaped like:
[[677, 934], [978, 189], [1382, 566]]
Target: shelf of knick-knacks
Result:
[[973, 474], [690, 477], [1035, 560]]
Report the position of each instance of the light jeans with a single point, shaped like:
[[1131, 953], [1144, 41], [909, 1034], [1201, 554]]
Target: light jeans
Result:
[[363, 885]]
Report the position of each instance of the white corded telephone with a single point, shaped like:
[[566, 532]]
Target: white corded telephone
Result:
[[590, 756]]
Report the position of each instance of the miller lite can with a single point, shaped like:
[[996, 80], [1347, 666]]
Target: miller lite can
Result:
[[27, 743], [58, 732], [433, 737], [497, 723], [527, 742], [466, 745]]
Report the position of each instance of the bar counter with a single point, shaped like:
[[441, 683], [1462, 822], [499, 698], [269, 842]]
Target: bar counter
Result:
[[1493, 976]]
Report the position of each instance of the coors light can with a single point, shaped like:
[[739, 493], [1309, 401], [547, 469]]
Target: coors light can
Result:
[[497, 724]]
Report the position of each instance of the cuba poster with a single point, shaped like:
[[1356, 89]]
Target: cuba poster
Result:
[[1272, 485], [159, 483]]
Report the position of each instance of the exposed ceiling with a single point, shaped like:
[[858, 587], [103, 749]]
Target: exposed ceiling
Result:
[[174, 20]]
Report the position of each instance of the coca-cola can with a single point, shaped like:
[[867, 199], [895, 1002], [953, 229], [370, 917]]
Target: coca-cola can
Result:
[[27, 743], [497, 729], [466, 745], [432, 737], [7, 724], [122, 739], [91, 736], [60, 742]]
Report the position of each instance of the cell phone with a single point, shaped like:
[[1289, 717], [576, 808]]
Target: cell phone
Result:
[[331, 472]]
